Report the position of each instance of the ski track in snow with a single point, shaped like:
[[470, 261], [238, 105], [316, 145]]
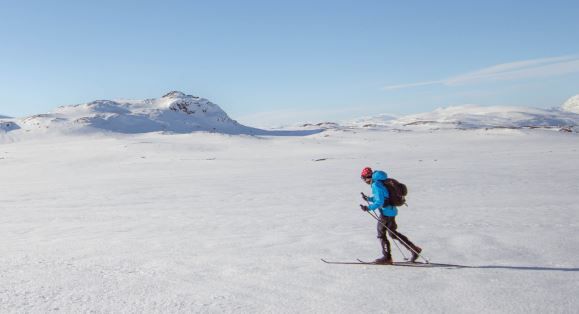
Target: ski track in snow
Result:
[[214, 223]]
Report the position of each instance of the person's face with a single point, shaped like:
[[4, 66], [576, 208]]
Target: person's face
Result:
[[368, 180]]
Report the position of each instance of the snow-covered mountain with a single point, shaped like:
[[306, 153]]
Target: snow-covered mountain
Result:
[[375, 120], [474, 117], [177, 112], [481, 117], [571, 105], [174, 112]]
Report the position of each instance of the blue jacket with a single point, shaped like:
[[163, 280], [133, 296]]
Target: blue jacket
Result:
[[379, 194]]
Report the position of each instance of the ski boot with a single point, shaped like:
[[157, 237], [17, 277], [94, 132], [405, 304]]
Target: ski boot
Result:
[[415, 254], [385, 260]]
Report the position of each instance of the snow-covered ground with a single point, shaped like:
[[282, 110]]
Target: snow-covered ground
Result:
[[206, 222]]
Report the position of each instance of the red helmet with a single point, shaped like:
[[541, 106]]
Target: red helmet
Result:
[[366, 172]]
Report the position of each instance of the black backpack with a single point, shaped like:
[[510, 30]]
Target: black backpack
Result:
[[397, 191]]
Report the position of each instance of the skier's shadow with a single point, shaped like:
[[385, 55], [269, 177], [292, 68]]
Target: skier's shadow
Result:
[[533, 268], [527, 268]]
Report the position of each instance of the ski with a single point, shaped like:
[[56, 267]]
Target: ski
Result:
[[343, 263], [403, 264], [360, 262], [417, 264], [407, 263]]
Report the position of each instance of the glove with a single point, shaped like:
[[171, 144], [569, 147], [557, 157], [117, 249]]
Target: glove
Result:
[[364, 208], [364, 196]]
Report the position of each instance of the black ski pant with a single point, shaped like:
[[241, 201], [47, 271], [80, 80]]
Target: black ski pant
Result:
[[388, 225]]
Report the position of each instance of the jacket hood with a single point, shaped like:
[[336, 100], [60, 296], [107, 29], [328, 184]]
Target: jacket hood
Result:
[[379, 175]]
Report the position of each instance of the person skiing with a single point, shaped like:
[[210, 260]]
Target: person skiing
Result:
[[387, 222]]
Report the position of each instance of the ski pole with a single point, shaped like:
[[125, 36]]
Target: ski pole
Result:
[[392, 233], [376, 217], [395, 243], [401, 241]]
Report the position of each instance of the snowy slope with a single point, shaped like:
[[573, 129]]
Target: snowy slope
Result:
[[175, 112], [209, 223]]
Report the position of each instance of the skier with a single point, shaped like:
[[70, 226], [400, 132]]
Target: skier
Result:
[[387, 222]]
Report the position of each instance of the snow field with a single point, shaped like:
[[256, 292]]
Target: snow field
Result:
[[218, 224]]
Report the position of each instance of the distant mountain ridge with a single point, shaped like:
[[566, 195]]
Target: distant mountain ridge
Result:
[[472, 116], [174, 112], [565, 118], [177, 112]]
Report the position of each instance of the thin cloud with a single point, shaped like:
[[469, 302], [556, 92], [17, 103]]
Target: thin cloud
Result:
[[535, 68], [400, 86]]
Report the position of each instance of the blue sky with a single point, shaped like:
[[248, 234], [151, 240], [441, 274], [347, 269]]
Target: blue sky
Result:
[[268, 62]]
